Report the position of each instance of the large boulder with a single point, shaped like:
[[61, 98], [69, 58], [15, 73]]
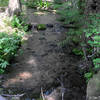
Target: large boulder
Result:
[[93, 87]]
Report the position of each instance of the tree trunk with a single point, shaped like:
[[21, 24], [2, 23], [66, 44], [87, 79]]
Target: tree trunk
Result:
[[14, 8]]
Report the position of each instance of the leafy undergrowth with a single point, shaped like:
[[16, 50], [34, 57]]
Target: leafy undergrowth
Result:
[[39, 4], [84, 29], [9, 45], [12, 31], [3, 3]]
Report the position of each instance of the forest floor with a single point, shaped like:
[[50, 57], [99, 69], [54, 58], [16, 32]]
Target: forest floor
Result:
[[44, 62]]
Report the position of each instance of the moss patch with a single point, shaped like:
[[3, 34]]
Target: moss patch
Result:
[[41, 26]]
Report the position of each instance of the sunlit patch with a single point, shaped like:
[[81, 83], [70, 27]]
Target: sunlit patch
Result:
[[5, 22], [21, 77], [32, 61], [40, 13], [25, 38], [50, 98], [54, 11], [25, 75]]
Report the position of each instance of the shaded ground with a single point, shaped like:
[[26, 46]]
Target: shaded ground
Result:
[[43, 61]]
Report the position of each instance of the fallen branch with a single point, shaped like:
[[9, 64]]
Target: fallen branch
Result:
[[7, 95], [62, 87]]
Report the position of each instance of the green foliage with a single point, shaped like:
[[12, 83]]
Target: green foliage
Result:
[[96, 63], [93, 35], [8, 48], [58, 1], [88, 25], [88, 76], [78, 52], [57, 6], [3, 3], [41, 26], [38, 3], [17, 22]]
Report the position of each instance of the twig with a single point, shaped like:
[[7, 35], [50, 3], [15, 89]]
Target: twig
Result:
[[62, 88], [89, 56], [42, 94]]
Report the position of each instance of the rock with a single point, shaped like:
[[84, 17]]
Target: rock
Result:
[[45, 54], [42, 38], [27, 99], [93, 87], [33, 99], [2, 9], [15, 98], [55, 95], [69, 26], [1, 76], [2, 98], [49, 25]]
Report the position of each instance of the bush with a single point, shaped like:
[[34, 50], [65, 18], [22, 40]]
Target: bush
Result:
[[9, 45], [17, 22], [38, 3], [3, 3], [85, 30]]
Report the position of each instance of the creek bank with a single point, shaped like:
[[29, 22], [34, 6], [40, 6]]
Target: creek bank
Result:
[[45, 64]]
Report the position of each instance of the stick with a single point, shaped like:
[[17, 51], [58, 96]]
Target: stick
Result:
[[42, 94]]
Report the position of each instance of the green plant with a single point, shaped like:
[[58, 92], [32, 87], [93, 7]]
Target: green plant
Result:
[[41, 26], [3, 3], [8, 49], [78, 52], [38, 3], [17, 22], [58, 1], [83, 28], [88, 76]]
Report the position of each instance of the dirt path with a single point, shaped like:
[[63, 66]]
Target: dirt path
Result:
[[43, 62]]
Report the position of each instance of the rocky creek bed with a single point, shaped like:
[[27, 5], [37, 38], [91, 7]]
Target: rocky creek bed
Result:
[[45, 64]]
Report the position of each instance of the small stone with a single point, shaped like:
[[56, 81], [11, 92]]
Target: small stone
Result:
[[28, 48], [33, 51], [49, 25], [2, 98], [45, 54], [42, 38], [27, 99], [1, 76], [33, 99]]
